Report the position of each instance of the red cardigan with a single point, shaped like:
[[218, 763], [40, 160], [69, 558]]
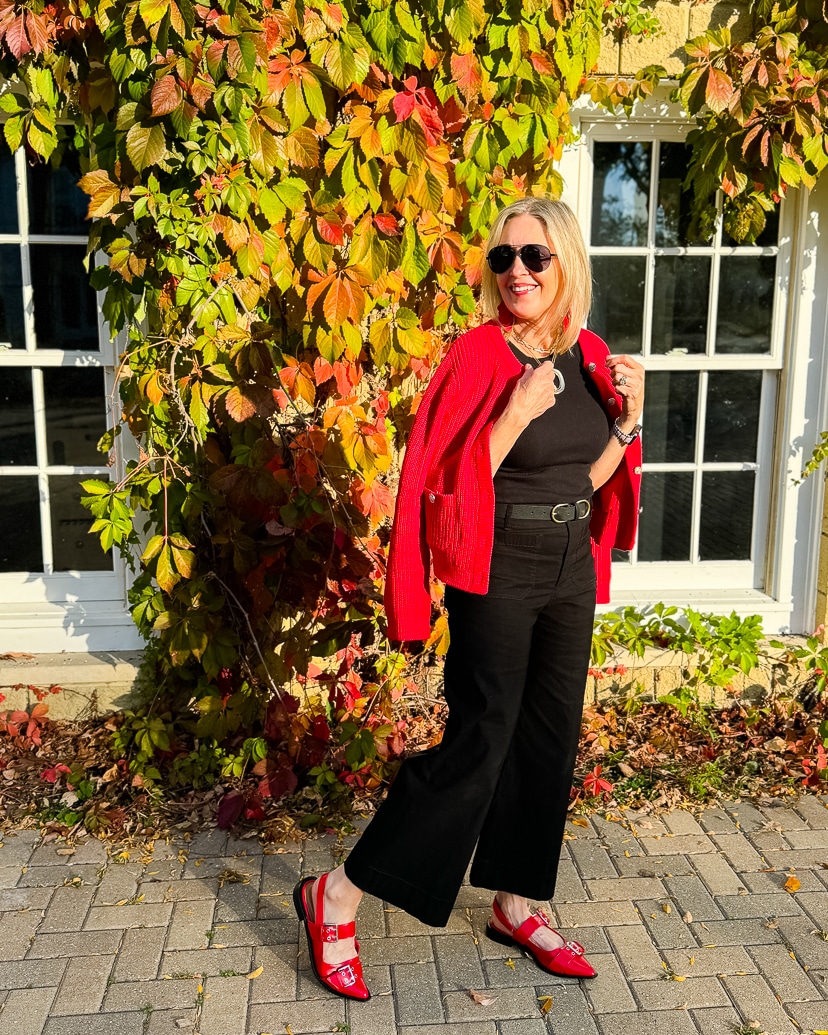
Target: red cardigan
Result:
[[445, 499]]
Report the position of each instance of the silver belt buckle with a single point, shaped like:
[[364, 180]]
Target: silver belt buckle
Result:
[[557, 520]]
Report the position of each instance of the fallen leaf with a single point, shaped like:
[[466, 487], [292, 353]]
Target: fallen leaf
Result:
[[688, 917], [792, 884], [579, 821], [256, 973], [510, 964], [480, 999], [545, 1004], [667, 908], [12, 655]]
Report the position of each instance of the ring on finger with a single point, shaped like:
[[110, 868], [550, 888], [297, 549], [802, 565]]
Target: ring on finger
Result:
[[622, 379]]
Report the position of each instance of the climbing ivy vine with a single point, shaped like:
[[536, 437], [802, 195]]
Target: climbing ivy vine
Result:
[[289, 199]]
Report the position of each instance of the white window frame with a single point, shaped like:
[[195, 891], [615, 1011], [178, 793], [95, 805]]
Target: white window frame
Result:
[[780, 583], [73, 610]]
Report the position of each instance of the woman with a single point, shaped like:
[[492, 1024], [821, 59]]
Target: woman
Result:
[[521, 474]]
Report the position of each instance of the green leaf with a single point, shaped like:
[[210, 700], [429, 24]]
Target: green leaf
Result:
[[146, 145], [152, 11], [414, 265]]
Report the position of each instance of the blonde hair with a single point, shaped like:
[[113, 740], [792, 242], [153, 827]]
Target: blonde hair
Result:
[[563, 234]]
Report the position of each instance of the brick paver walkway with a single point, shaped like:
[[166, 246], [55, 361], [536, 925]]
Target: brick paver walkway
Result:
[[92, 944]]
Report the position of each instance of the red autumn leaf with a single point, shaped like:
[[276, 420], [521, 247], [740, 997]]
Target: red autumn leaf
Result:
[[279, 783], [404, 104], [16, 38], [330, 228], [386, 223], [166, 96], [594, 784], [541, 63], [229, 809], [376, 501], [52, 774], [322, 370]]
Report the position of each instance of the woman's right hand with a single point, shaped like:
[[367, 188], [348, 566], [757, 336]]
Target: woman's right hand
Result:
[[533, 395]]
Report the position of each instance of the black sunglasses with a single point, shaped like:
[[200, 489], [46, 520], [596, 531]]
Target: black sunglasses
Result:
[[535, 257]]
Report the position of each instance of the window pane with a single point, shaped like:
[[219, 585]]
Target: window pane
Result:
[[726, 515], [65, 307], [732, 423], [670, 417], [73, 548], [680, 303], [617, 312], [20, 525], [620, 193], [767, 239], [666, 506], [75, 415], [11, 298], [17, 430], [746, 290], [57, 205], [8, 190], [673, 211]]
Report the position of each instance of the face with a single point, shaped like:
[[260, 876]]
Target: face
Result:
[[528, 295]]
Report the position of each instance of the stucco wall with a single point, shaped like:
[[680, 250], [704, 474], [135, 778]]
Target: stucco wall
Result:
[[680, 22]]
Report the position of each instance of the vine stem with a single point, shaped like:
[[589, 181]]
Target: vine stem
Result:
[[276, 689]]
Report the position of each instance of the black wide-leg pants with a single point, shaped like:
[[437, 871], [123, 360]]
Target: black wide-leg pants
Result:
[[497, 786]]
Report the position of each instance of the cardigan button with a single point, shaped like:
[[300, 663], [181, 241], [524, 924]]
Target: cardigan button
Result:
[[431, 497], [611, 401], [591, 367], [636, 470]]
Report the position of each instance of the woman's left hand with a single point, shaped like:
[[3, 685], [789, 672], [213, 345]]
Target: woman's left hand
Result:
[[628, 380]]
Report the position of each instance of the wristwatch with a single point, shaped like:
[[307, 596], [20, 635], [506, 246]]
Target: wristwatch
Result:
[[626, 437]]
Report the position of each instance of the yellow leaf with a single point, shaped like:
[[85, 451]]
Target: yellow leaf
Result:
[[510, 964], [579, 821], [792, 884], [545, 1004], [256, 973], [667, 908]]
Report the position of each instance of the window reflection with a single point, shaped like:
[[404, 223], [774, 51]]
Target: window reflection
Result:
[[75, 415], [65, 306], [8, 190], [680, 303], [746, 289], [670, 417], [731, 427], [726, 515], [73, 548], [11, 298], [673, 207], [621, 192], [617, 312], [57, 205], [20, 524], [17, 427], [666, 511]]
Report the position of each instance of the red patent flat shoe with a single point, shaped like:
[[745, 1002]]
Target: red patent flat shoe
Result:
[[344, 979], [567, 960]]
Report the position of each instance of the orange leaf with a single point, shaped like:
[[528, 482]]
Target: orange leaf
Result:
[[166, 96], [239, 406], [719, 89], [792, 884], [466, 73]]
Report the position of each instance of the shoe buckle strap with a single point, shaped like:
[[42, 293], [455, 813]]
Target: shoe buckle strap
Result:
[[336, 932], [349, 975], [575, 948]]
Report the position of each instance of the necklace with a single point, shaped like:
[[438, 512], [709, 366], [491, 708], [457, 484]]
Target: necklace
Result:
[[537, 353]]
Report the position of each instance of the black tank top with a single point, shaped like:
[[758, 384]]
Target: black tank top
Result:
[[550, 461]]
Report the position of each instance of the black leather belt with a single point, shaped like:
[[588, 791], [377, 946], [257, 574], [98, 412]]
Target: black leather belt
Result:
[[560, 513]]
